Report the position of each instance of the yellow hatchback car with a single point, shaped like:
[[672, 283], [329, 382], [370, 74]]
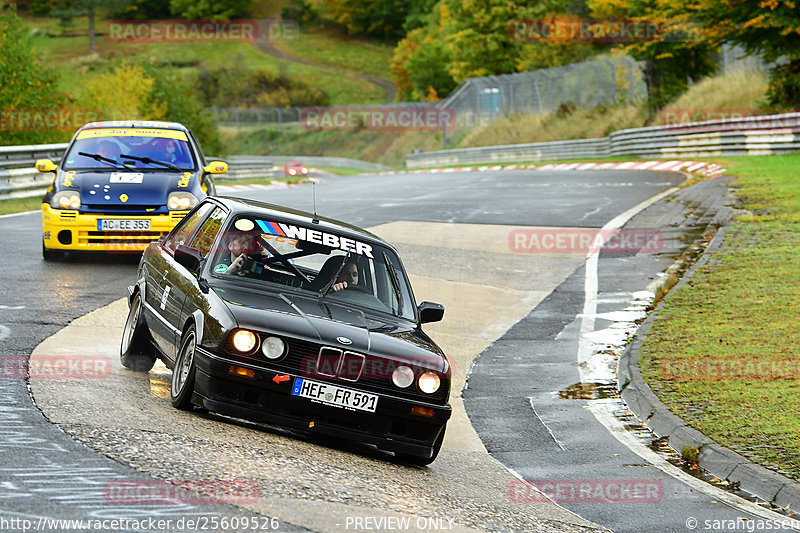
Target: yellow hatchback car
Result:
[[122, 185]]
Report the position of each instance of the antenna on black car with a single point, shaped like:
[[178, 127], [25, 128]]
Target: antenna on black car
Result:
[[314, 220]]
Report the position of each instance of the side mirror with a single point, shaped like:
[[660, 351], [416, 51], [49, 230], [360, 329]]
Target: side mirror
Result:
[[430, 312], [45, 165], [216, 167], [188, 258]]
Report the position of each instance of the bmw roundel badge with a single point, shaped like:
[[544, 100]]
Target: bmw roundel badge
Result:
[[344, 340]]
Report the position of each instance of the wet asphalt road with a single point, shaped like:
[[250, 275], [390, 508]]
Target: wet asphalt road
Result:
[[37, 299]]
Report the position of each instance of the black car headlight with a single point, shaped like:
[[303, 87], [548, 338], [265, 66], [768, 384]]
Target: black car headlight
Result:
[[429, 382], [66, 200], [181, 201], [244, 341], [403, 376], [273, 347]]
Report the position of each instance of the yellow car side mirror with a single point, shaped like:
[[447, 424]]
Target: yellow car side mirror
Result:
[[216, 167], [45, 165]]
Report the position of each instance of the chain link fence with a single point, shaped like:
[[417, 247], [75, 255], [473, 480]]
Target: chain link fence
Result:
[[478, 100]]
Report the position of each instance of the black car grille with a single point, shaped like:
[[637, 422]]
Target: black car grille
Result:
[[370, 373], [126, 208]]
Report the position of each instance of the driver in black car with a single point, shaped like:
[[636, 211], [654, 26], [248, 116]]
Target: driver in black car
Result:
[[347, 277], [242, 246]]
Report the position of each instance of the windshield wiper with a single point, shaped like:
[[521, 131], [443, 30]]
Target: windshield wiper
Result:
[[395, 283], [103, 159], [333, 279], [283, 259], [149, 161]]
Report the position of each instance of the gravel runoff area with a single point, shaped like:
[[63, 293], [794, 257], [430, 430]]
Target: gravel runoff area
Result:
[[310, 481]]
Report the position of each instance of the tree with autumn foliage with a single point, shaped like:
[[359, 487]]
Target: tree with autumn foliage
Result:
[[770, 28], [676, 56], [460, 39]]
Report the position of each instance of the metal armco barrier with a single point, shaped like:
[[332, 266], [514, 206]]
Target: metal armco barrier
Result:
[[21, 179], [319, 161], [756, 135], [26, 156], [26, 182]]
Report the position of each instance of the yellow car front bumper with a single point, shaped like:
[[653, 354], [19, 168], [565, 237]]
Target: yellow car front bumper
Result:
[[64, 229]]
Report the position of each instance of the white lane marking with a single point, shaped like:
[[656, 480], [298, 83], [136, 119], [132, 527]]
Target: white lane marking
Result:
[[12, 307], [530, 400], [19, 214], [603, 409], [4, 332]]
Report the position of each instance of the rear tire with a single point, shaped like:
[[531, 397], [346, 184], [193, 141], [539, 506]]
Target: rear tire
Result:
[[51, 255], [182, 385], [136, 352]]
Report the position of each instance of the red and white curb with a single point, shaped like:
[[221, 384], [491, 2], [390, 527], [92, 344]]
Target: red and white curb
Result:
[[234, 187], [694, 167]]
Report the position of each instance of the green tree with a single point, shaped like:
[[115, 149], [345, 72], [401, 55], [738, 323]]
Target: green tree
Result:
[[383, 19], [428, 70], [478, 37], [179, 101], [210, 9], [24, 84], [66, 10]]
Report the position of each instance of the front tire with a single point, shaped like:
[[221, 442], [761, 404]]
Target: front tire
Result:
[[136, 352], [182, 386], [51, 255]]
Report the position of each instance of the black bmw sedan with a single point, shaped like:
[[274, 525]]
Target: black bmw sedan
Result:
[[275, 315]]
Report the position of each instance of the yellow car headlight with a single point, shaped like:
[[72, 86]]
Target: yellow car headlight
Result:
[[181, 201], [66, 200]]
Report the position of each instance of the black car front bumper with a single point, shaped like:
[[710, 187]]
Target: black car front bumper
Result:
[[392, 427]]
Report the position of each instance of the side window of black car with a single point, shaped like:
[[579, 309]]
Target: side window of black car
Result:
[[205, 236], [186, 227]]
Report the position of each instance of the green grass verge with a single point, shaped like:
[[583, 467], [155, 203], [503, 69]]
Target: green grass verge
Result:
[[341, 171], [723, 353], [20, 205], [67, 55], [329, 46]]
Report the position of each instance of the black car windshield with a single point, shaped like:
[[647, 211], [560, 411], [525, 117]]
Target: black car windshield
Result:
[[170, 147], [314, 261]]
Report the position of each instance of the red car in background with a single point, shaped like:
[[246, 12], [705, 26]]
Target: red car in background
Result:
[[295, 168]]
